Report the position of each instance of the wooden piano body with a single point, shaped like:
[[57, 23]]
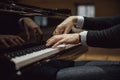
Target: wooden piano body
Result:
[[10, 71], [15, 61]]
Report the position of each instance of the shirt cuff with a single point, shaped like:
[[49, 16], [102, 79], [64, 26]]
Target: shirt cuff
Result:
[[84, 37], [80, 22]]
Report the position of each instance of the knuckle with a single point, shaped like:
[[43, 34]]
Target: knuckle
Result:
[[59, 27]]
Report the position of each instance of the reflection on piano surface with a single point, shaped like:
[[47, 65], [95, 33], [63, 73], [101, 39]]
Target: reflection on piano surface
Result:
[[31, 10], [16, 58]]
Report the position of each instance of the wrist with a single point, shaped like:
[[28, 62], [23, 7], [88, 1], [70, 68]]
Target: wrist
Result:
[[78, 38]]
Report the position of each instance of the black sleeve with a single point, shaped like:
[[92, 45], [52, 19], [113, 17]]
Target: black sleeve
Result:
[[99, 23], [107, 38]]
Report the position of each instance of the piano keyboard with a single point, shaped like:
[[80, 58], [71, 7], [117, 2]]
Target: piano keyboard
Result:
[[28, 56]]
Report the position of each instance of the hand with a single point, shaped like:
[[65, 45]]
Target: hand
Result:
[[32, 27], [11, 40], [63, 39], [66, 26]]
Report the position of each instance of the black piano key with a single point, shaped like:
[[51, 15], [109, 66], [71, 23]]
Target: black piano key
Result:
[[19, 53], [12, 54], [25, 51]]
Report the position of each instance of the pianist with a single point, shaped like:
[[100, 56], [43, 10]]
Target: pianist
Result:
[[99, 32]]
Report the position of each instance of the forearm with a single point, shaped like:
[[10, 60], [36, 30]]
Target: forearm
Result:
[[100, 23], [107, 34], [109, 38]]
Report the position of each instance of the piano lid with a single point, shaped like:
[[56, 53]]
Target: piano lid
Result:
[[32, 10], [52, 17]]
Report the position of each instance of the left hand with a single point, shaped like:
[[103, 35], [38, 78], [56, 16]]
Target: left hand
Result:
[[63, 39], [32, 27], [66, 26]]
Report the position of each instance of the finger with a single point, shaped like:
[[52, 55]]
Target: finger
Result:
[[53, 40], [27, 33], [67, 30], [59, 30], [58, 43], [54, 33], [13, 42], [5, 43], [18, 42], [20, 39], [50, 41]]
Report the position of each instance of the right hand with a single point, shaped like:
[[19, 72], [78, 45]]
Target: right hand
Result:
[[63, 39], [66, 26], [11, 40]]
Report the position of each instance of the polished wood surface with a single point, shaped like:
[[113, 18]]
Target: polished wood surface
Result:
[[92, 53], [100, 54], [73, 54]]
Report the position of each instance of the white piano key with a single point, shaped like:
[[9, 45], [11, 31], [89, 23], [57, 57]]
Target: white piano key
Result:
[[38, 55]]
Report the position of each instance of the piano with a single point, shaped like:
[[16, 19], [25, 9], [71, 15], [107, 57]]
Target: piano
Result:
[[14, 61]]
